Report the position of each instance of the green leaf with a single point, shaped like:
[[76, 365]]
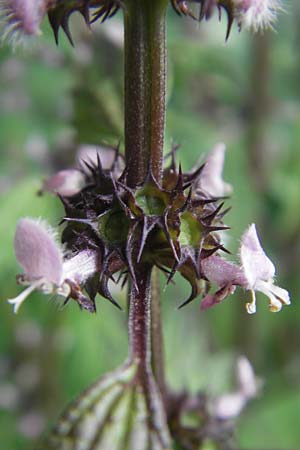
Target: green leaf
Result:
[[115, 413]]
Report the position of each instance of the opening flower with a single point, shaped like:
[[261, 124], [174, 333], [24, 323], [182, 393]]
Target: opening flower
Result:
[[21, 18], [229, 406], [255, 274], [45, 266], [256, 14], [69, 182], [65, 183]]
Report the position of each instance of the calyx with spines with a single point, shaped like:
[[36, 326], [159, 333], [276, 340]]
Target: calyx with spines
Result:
[[173, 226]]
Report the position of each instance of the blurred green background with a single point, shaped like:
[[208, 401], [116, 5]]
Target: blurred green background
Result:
[[245, 93]]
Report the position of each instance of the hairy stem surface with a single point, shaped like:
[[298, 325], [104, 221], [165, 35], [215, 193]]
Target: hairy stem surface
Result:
[[145, 109], [140, 319], [145, 91]]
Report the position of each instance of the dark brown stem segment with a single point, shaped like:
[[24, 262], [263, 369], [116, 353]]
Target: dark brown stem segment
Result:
[[145, 108], [140, 319], [145, 88], [140, 352]]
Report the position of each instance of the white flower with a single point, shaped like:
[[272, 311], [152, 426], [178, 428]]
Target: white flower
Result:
[[259, 272], [45, 267], [256, 14], [210, 180]]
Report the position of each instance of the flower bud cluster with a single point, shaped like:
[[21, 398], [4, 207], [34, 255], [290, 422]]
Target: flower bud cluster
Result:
[[110, 228], [22, 18]]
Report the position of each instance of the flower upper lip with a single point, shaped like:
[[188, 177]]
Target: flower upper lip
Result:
[[211, 180]]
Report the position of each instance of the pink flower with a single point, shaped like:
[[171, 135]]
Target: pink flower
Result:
[[256, 14], [45, 265], [229, 406], [69, 182], [256, 273], [259, 272], [224, 274], [21, 18], [65, 183], [210, 180], [110, 159]]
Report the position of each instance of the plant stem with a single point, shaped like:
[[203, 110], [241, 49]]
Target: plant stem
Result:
[[145, 91], [140, 319], [140, 329], [145, 109], [157, 354]]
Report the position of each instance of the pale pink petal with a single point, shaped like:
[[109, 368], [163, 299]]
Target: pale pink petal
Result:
[[37, 251], [229, 406], [221, 272], [90, 154], [211, 180], [256, 14], [225, 275], [208, 302], [256, 265], [65, 183], [30, 13], [248, 384], [21, 18], [211, 300], [81, 267], [115, 34]]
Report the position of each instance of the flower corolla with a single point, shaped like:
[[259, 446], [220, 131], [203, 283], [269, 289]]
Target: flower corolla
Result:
[[46, 267], [256, 273], [228, 406], [21, 18], [256, 14], [211, 180]]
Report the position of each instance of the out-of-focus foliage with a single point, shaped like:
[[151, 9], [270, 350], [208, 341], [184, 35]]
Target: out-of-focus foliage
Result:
[[245, 93]]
